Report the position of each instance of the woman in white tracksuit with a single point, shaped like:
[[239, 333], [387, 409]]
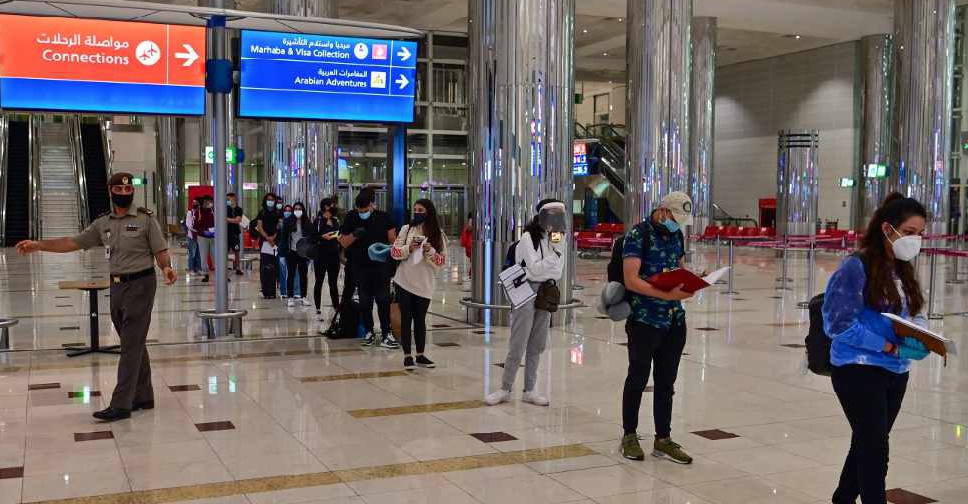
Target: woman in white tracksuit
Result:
[[530, 326]]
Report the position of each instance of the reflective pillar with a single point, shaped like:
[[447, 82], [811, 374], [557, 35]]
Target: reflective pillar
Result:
[[301, 157], [657, 117], [877, 102], [702, 121], [797, 183], [520, 75], [924, 57], [167, 177]]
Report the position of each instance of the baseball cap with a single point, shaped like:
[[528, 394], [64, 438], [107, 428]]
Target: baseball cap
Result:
[[120, 178], [680, 204]]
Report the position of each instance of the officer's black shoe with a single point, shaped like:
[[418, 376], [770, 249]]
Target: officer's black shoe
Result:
[[147, 405], [112, 414]]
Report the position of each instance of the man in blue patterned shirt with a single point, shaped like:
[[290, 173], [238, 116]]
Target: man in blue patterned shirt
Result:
[[657, 327]]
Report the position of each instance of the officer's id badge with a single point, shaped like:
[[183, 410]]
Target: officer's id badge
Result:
[[131, 227], [107, 252]]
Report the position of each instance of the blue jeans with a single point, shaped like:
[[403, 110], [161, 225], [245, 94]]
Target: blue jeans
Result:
[[284, 277], [194, 262]]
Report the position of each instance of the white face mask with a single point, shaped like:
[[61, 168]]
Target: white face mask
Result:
[[906, 248], [298, 214]]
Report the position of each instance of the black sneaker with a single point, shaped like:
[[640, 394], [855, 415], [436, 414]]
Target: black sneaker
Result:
[[239, 272], [205, 279], [368, 340], [408, 363], [112, 414], [388, 341], [423, 361]]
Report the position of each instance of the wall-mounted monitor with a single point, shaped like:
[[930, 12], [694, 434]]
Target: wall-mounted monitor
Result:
[[90, 65], [325, 78]]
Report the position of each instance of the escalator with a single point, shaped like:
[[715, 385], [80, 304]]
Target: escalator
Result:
[[95, 164], [606, 154], [17, 180]]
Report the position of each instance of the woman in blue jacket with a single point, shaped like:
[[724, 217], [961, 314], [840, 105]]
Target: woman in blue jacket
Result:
[[870, 361]]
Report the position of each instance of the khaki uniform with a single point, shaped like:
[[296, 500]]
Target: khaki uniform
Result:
[[130, 241]]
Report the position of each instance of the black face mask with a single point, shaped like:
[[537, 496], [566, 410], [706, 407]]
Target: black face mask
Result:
[[122, 200]]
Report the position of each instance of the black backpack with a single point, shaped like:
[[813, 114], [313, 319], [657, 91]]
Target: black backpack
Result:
[[512, 251], [817, 341], [616, 268]]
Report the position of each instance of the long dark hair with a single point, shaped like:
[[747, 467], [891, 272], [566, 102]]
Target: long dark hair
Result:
[[881, 291], [431, 227], [304, 220]]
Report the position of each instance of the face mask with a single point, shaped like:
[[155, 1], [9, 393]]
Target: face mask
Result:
[[122, 200], [419, 218], [298, 214], [365, 215], [671, 225], [906, 248], [287, 214], [209, 206], [278, 206], [270, 204]]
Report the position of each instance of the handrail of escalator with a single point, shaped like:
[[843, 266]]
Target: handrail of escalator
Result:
[[4, 141], [80, 173], [581, 131], [35, 216], [105, 125]]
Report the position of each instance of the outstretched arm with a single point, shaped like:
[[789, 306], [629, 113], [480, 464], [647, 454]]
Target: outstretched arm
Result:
[[58, 245]]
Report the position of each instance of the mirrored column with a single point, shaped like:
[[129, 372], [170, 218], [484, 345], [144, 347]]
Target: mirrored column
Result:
[[658, 69], [702, 120], [520, 73], [877, 101]]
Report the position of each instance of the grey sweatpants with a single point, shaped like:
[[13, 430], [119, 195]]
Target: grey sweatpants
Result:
[[205, 248], [529, 333]]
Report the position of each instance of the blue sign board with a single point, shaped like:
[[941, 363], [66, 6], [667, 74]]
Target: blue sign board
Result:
[[579, 164], [319, 77]]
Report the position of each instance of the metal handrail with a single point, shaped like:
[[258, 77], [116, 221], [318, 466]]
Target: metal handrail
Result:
[[77, 158], [34, 213], [105, 125], [474, 304], [4, 141]]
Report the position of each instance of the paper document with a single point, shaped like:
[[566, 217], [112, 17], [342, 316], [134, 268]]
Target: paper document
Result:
[[689, 281], [934, 341], [516, 286], [417, 256], [267, 248]]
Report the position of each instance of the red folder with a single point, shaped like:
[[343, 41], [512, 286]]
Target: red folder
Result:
[[671, 279]]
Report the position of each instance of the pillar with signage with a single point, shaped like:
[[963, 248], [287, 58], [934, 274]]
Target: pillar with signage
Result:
[[301, 157], [797, 183], [520, 75]]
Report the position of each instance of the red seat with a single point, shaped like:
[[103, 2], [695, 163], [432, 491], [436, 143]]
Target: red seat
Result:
[[730, 231], [750, 231], [710, 232]]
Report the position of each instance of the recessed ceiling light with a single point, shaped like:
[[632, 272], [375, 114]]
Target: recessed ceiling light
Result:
[[604, 54], [797, 37], [620, 20], [584, 30]]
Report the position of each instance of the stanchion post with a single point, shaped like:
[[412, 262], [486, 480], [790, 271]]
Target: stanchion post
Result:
[[932, 272], [719, 256], [811, 260], [783, 267], [955, 263], [732, 269]]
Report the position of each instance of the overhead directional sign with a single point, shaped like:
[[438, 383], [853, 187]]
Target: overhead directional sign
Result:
[[291, 76], [89, 65]]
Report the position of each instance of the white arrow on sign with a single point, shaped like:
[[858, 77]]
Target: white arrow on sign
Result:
[[403, 81], [404, 54], [189, 56]]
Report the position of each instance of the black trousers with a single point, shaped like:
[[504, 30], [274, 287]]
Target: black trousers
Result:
[[871, 397], [297, 264], [349, 285], [413, 311], [326, 268], [374, 286], [659, 351]]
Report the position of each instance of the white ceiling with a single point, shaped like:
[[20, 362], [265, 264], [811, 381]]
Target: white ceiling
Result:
[[748, 29]]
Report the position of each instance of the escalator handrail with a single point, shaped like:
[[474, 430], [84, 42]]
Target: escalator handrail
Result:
[[80, 169], [34, 185], [105, 125], [4, 175]]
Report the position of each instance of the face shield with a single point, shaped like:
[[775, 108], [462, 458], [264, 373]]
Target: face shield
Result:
[[552, 217]]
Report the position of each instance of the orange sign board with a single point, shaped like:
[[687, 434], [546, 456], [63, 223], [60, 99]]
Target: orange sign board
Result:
[[101, 51]]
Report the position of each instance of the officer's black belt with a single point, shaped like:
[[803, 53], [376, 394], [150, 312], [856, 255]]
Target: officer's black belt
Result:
[[127, 277]]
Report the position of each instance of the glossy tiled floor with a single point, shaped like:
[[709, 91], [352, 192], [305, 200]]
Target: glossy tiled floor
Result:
[[282, 418]]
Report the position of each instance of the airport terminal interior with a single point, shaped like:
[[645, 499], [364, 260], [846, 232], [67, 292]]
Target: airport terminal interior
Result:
[[785, 122]]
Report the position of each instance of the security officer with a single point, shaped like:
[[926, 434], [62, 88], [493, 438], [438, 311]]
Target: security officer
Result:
[[133, 242]]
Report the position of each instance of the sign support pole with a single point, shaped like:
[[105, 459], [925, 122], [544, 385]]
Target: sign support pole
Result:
[[219, 99]]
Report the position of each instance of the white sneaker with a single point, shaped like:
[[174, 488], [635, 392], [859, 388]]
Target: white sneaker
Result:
[[292, 302], [498, 397], [306, 302], [535, 399]]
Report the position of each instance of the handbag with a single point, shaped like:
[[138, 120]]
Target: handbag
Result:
[[548, 296]]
